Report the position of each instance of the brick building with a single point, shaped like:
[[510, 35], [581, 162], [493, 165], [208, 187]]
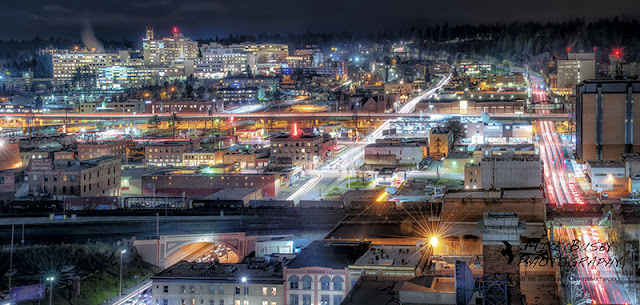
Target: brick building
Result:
[[306, 151], [252, 159], [94, 177], [168, 153], [202, 184], [440, 142], [319, 274], [90, 150]]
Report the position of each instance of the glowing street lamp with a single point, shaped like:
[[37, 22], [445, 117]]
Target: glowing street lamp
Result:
[[121, 254], [50, 280], [246, 290], [433, 241]]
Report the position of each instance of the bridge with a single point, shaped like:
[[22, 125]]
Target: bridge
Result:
[[171, 249], [61, 117]]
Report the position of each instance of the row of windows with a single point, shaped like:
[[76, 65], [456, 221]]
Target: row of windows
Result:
[[106, 149], [291, 144], [294, 299], [325, 283], [212, 302], [173, 157], [165, 150], [212, 290]]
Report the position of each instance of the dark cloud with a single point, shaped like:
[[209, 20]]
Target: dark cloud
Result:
[[208, 18]]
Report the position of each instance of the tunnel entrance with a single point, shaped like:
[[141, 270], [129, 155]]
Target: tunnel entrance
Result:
[[203, 252]]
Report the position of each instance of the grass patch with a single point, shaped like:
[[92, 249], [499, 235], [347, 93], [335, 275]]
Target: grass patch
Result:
[[358, 184]]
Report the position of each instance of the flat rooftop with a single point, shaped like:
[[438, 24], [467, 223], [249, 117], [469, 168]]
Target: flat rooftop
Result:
[[606, 164], [194, 173], [507, 193], [391, 256], [256, 271], [332, 254]]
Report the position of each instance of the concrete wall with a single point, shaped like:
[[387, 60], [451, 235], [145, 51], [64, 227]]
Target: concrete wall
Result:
[[510, 174]]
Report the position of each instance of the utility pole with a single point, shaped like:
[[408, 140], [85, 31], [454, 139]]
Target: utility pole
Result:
[[11, 257], [158, 236]]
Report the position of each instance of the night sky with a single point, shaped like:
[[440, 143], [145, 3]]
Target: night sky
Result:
[[116, 19]]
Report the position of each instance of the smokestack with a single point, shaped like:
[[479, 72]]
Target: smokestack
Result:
[[89, 39]]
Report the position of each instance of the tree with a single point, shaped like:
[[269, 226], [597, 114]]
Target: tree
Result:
[[457, 129], [154, 121], [174, 121]]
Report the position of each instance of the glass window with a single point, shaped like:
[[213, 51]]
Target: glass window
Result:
[[337, 283], [325, 283], [274, 290], [237, 289], [337, 299], [293, 282], [293, 299], [306, 299], [324, 299], [264, 290], [306, 282]]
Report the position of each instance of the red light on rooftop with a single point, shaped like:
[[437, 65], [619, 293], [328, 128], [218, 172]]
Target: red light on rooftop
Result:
[[568, 49], [175, 29]]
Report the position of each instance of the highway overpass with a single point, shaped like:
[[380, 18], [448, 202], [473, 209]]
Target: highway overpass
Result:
[[61, 117]]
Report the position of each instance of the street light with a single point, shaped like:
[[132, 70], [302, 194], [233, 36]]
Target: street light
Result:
[[50, 280], [433, 241], [121, 254], [246, 289]]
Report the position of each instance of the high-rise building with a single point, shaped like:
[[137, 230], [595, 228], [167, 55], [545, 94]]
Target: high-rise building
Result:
[[605, 119], [170, 50], [268, 55], [65, 63], [218, 62], [578, 67]]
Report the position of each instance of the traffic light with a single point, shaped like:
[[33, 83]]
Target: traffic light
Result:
[[231, 119]]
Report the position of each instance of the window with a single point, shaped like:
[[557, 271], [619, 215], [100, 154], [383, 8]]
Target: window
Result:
[[306, 282], [306, 299], [46, 178], [165, 301], [325, 283], [165, 289], [183, 289], [246, 290], [192, 289], [221, 289], [337, 299], [221, 302], [293, 282], [212, 302], [212, 289], [73, 178], [274, 290], [324, 299], [337, 283], [293, 299], [265, 302], [264, 290], [237, 289]]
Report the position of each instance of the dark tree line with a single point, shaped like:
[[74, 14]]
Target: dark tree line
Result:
[[518, 41]]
